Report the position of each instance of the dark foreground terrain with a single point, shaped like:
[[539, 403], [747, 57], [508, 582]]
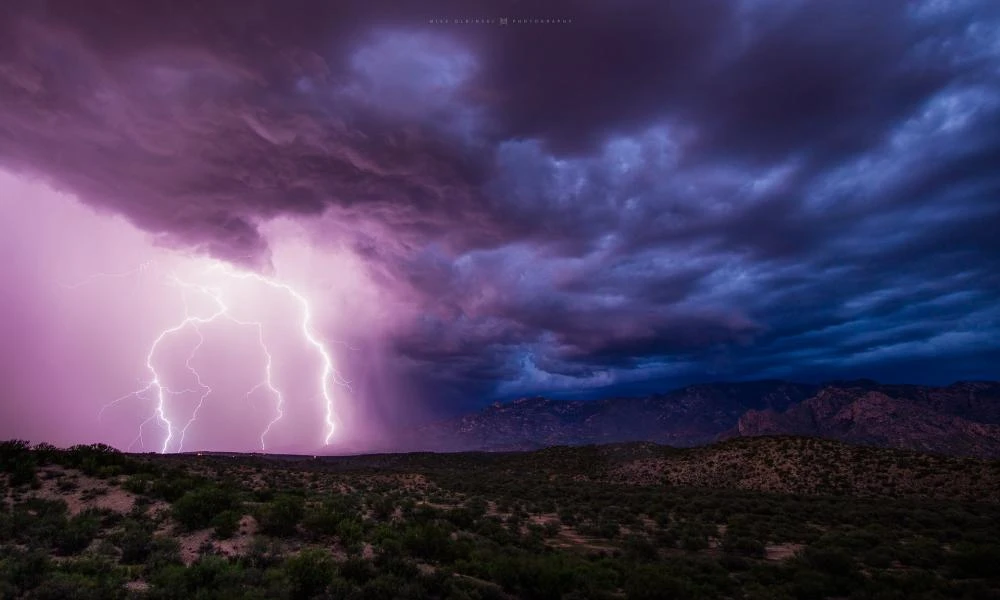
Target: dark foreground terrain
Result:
[[747, 518]]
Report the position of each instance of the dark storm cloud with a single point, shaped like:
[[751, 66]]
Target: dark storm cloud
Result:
[[651, 192]]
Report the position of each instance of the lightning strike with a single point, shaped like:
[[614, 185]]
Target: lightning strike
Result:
[[206, 390], [161, 392], [329, 373]]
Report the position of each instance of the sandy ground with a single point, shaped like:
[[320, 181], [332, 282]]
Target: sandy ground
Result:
[[191, 542], [83, 497], [569, 537], [239, 543], [781, 551]]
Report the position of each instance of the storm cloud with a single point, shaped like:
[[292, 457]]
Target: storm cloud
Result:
[[622, 198]]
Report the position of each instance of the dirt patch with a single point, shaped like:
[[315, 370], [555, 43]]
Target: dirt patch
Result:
[[191, 544], [781, 551], [367, 551], [239, 543], [544, 519], [571, 538], [117, 500], [85, 493]]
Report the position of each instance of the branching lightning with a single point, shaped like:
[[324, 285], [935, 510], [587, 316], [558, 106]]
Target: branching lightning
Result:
[[162, 394], [329, 373]]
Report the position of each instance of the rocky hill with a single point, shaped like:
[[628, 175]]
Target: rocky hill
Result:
[[961, 419]]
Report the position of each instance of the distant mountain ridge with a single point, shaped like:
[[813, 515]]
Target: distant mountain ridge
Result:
[[961, 419]]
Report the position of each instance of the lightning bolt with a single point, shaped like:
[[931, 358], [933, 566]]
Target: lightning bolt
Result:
[[156, 387], [329, 374], [205, 389]]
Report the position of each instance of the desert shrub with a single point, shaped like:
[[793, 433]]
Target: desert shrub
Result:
[[357, 570], [92, 458], [135, 541], [833, 561], [209, 577], [77, 534], [38, 522], [263, 553], [921, 552], [638, 548], [164, 551], [46, 453], [197, 508], [431, 542], [140, 483], [310, 572], [321, 520], [172, 486], [654, 583], [693, 542], [11, 451], [567, 517], [213, 573], [743, 545], [388, 587], [975, 560], [26, 570], [226, 523], [75, 586], [17, 459], [541, 576], [463, 518], [880, 557], [281, 516], [477, 506], [350, 531], [552, 528], [382, 507]]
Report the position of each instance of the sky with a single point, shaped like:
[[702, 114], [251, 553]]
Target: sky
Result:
[[415, 209]]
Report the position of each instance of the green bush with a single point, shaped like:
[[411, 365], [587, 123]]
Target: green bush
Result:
[[350, 531], [655, 583], [744, 546], [26, 570], [135, 541], [281, 516], [17, 459], [321, 520], [638, 548], [77, 534], [226, 524], [430, 542], [198, 508], [975, 560], [163, 552], [310, 572]]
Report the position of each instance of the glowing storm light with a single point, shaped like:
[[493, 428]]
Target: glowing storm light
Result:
[[162, 392]]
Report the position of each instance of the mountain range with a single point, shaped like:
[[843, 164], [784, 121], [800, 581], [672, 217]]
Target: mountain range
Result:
[[960, 419]]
